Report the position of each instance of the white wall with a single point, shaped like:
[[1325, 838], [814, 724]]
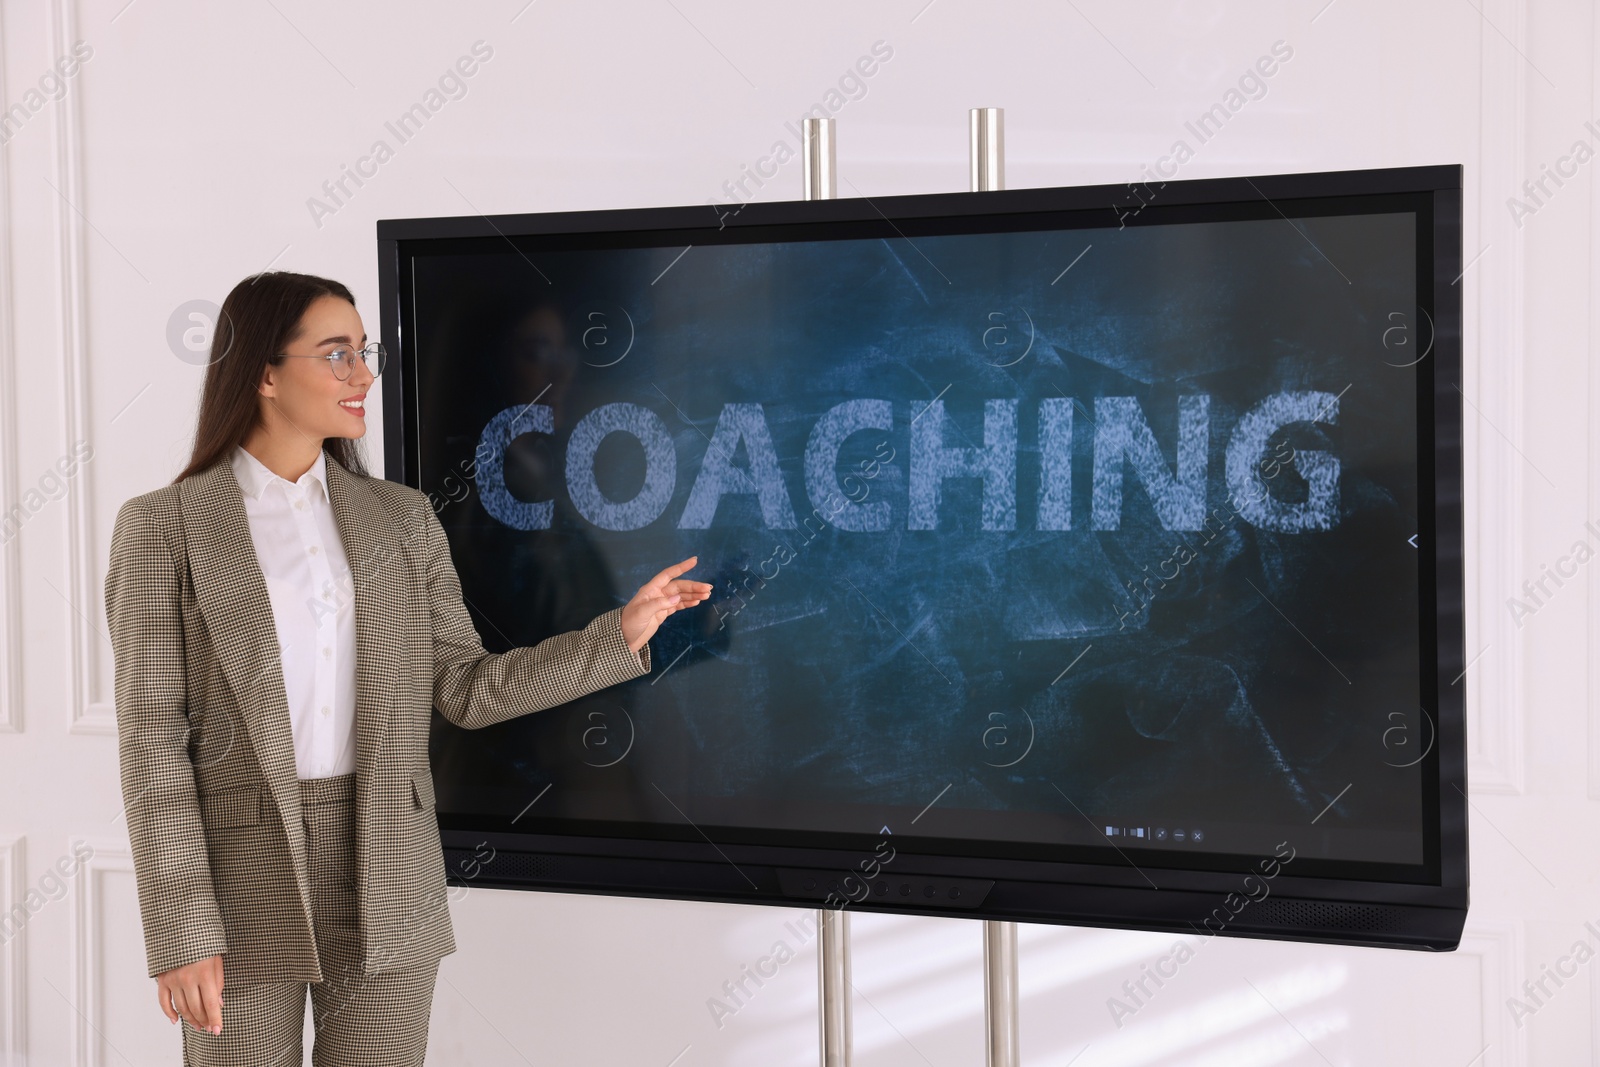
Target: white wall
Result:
[[181, 157]]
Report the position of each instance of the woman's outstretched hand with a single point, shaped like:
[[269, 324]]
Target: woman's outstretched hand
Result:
[[193, 991], [658, 598]]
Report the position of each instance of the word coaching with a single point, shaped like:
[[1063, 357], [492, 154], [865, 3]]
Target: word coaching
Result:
[[1122, 439]]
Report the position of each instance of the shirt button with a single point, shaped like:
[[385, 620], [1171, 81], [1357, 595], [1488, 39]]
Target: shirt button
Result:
[[312, 550], [327, 652], [325, 709], [301, 504]]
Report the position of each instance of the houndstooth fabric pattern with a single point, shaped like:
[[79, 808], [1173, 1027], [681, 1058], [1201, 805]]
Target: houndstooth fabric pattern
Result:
[[357, 1019], [206, 751]]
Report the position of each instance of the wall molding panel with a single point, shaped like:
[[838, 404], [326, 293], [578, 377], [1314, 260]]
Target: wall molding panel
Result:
[[11, 713], [98, 718], [87, 951], [1493, 387], [1498, 946], [14, 953]]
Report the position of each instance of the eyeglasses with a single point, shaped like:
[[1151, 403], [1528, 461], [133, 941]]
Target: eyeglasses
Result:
[[342, 360]]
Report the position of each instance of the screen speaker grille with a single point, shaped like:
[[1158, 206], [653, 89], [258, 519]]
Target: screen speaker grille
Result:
[[504, 865], [1360, 918]]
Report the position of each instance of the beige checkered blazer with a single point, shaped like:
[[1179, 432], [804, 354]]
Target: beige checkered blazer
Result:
[[209, 783]]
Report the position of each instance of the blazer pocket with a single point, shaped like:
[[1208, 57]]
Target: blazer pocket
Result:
[[231, 807], [422, 789]]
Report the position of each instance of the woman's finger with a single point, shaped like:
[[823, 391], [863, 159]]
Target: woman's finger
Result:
[[211, 994], [673, 571], [686, 585], [181, 1003], [164, 998], [197, 1004], [662, 606]]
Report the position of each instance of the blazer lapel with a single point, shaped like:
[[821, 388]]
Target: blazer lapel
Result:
[[231, 594]]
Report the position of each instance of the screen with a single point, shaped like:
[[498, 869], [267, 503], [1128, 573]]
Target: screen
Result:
[[1030, 537]]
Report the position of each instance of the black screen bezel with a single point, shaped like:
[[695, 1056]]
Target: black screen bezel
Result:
[[1435, 195]]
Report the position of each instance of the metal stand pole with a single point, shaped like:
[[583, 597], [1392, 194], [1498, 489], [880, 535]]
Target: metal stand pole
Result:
[[817, 158], [1000, 993], [833, 925], [987, 152], [833, 986], [987, 148]]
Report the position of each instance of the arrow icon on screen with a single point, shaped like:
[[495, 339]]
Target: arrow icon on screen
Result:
[[1412, 541]]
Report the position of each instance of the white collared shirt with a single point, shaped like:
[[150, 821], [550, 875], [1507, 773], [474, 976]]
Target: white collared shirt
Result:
[[308, 581]]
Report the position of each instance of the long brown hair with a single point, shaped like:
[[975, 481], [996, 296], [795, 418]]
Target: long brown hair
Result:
[[259, 317]]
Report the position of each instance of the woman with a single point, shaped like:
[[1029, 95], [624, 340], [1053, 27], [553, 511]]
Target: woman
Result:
[[283, 626]]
